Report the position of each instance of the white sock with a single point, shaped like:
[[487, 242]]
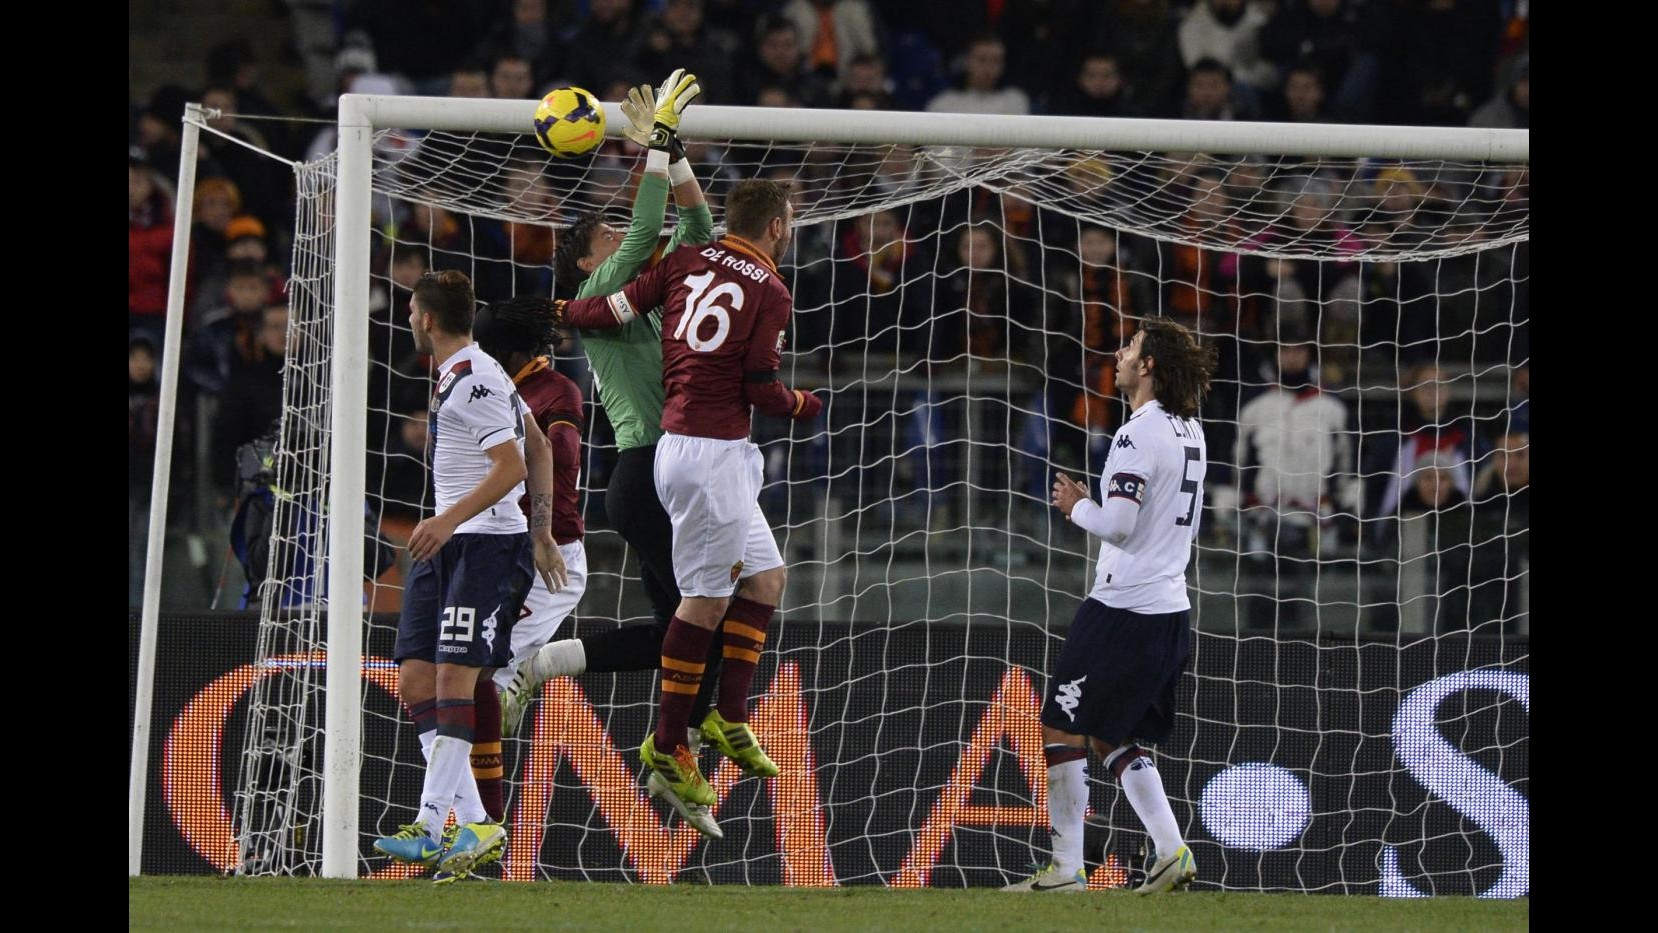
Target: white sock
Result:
[[469, 806], [1067, 802], [1144, 787], [564, 658], [450, 760], [467, 800]]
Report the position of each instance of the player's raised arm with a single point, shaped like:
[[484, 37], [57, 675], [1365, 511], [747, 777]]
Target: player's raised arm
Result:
[[636, 299], [765, 350]]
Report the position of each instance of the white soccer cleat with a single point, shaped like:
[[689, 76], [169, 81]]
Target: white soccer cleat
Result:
[[555, 659], [700, 817], [516, 697], [1170, 873], [1052, 879]]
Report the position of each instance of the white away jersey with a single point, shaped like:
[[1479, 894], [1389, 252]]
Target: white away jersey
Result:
[[1157, 460], [475, 408]]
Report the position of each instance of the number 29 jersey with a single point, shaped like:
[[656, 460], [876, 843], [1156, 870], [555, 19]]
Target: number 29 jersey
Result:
[[1157, 461]]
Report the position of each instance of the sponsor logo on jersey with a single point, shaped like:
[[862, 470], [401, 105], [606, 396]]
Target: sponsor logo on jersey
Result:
[[1123, 440]]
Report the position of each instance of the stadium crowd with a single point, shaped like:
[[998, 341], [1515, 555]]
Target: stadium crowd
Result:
[[1380, 372]]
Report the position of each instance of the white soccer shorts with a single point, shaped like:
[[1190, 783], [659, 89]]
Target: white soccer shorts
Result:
[[546, 610], [711, 490]]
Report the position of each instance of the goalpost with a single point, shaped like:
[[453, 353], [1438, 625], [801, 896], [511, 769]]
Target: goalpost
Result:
[[959, 280]]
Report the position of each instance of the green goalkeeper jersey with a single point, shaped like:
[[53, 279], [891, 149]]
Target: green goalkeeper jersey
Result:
[[627, 361]]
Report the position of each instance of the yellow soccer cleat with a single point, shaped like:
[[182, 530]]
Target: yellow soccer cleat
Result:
[[736, 741]]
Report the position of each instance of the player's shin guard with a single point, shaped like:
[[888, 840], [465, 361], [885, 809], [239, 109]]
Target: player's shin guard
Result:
[[1067, 803], [744, 631], [1144, 788], [487, 766], [682, 662]]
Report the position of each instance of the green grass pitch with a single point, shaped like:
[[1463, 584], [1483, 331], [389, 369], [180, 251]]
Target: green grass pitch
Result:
[[305, 903]]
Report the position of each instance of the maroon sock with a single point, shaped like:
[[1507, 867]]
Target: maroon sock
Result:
[[487, 767], [424, 715], [744, 631], [683, 651], [457, 719]]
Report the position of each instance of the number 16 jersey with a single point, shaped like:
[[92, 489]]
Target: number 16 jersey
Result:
[[725, 310]]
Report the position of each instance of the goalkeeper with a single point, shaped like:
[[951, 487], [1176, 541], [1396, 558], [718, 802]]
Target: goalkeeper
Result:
[[627, 366]]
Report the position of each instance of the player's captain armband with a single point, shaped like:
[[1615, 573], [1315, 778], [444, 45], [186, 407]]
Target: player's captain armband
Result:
[[622, 307], [1126, 486]]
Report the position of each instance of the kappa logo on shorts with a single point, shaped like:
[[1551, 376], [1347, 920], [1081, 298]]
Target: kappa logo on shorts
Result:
[[736, 571], [488, 634], [1069, 696]]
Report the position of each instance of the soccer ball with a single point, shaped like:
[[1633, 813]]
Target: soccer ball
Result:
[[569, 122]]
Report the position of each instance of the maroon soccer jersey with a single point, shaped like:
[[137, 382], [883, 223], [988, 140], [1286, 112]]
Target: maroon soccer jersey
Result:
[[724, 313], [555, 403]]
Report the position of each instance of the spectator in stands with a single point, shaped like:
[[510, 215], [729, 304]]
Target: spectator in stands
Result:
[[510, 78], [977, 292], [262, 181], [833, 33], [252, 399], [881, 285], [143, 411], [143, 407], [469, 79], [149, 247], [1511, 107], [1428, 426], [528, 34], [1046, 42], [245, 241], [777, 62], [1093, 315], [1441, 60], [1483, 565], [1143, 36], [1295, 459], [424, 41], [771, 95], [1099, 91], [679, 38], [1227, 31], [1209, 93], [217, 203], [355, 57], [159, 126], [1331, 35], [232, 64], [601, 50], [228, 329], [982, 90], [1303, 97], [866, 76]]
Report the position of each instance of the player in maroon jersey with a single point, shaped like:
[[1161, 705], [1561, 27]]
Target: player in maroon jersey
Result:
[[725, 311], [518, 333]]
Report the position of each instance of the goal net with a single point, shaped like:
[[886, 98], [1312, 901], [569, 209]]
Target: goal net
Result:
[[1355, 717]]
